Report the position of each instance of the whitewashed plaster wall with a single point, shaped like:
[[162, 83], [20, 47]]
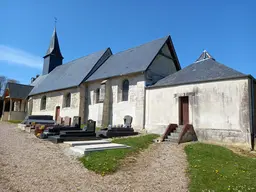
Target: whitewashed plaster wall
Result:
[[218, 110]]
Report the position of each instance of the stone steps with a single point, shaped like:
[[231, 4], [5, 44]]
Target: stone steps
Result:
[[178, 130], [174, 136], [171, 140]]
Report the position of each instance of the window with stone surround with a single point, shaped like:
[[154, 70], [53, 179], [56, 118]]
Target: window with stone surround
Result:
[[97, 95], [125, 90], [67, 100], [43, 103]]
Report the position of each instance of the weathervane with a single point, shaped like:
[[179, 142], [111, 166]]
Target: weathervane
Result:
[[55, 21]]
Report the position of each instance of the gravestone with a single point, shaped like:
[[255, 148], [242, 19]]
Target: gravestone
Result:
[[59, 120], [67, 121], [127, 121], [76, 121], [91, 125]]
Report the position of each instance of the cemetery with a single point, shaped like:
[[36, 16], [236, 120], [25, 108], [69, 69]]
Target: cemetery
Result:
[[80, 139]]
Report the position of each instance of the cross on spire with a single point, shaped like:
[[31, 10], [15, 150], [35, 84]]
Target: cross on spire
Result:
[[55, 21]]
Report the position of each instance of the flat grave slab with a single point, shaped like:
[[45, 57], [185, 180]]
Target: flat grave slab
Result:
[[84, 149], [93, 142]]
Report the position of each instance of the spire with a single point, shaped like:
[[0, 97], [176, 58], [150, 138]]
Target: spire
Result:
[[204, 55], [54, 48], [53, 57]]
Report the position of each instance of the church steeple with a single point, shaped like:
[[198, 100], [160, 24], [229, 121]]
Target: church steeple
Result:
[[53, 57]]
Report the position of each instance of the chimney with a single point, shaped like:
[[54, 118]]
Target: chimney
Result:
[[32, 79]]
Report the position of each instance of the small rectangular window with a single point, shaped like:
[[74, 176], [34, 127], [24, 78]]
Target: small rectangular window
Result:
[[102, 92]]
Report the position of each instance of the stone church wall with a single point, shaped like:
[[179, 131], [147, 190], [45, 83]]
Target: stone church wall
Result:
[[118, 109], [54, 99], [219, 111]]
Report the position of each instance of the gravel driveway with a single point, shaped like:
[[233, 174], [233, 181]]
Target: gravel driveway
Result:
[[32, 165]]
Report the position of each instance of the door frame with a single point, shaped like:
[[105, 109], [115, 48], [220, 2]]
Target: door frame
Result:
[[181, 112], [56, 108]]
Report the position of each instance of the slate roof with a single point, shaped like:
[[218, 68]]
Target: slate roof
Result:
[[133, 60], [54, 47], [38, 80], [202, 70], [18, 91], [67, 75]]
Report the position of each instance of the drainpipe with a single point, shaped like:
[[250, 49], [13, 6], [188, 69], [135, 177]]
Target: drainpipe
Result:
[[252, 114]]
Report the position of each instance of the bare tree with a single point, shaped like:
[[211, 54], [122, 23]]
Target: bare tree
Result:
[[3, 81], [2, 84]]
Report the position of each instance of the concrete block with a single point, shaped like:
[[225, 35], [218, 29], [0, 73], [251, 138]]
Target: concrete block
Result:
[[93, 142], [84, 149]]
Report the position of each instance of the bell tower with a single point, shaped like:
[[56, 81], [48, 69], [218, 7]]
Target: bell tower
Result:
[[53, 57]]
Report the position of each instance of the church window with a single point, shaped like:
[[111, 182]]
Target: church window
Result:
[[43, 103], [67, 100], [125, 90], [97, 93], [102, 92]]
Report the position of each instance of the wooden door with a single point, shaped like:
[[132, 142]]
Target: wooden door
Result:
[[57, 113], [184, 111]]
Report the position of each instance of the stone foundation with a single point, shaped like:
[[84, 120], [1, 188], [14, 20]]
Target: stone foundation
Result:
[[223, 136]]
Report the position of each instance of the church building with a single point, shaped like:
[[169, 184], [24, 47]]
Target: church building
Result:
[[147, 83], [101, 86]]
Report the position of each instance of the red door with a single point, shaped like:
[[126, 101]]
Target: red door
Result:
[[184, 113], [57, 113]]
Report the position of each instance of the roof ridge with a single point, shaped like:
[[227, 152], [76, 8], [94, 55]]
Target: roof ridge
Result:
[[69, 62], [18, 84], [214, 70], [137, 46]]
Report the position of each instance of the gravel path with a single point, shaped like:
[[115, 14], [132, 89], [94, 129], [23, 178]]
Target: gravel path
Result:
[[28, 164]]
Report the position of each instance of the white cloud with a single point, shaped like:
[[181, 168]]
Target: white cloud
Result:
[[20, 57]]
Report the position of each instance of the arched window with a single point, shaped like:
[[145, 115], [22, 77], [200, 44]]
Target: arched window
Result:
[[67, 100], [43, 103], [125, 90], [97, 92]]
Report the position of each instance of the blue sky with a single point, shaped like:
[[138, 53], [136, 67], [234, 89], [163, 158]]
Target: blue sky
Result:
[[227, 29]]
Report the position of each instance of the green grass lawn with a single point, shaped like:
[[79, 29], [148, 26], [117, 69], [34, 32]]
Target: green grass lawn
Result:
[[15, 121], [215, 168], [108, 161]]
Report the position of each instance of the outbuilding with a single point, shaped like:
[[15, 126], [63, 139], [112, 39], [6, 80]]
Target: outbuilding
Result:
[[217, 100]]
